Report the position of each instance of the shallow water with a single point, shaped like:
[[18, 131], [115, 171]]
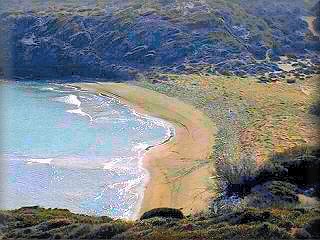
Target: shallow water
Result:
[[66, 148]]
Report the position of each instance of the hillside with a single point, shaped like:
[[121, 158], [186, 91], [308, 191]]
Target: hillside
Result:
[[39, 223], [120, 39]]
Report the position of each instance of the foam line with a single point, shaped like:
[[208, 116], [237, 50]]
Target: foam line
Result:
[[70, 99], [40, 160], [80, 112]]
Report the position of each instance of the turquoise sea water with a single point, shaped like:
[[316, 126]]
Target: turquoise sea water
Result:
[[66, 148]]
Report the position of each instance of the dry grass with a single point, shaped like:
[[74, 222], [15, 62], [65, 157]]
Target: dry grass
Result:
[[262, 119]]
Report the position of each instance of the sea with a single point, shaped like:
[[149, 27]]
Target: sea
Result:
[[62, 147]]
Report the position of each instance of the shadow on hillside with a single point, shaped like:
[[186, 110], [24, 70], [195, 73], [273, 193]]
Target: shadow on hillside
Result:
[[302, 164], [315, 109], [299, 166]]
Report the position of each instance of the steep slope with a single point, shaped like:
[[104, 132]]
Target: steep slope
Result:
[[118, 39]]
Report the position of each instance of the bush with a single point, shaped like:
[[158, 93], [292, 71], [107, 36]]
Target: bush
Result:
[[272, 194], [267, 230], [107, 231], [237, 177], [54, 223], [250, 216]]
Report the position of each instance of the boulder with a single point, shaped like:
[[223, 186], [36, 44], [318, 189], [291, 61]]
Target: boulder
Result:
[[163, 213], [291, 81]]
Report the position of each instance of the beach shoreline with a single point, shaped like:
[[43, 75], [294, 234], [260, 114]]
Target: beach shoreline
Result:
[[179, 168]]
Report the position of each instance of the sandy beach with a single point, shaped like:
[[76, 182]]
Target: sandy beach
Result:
[[179, 169]]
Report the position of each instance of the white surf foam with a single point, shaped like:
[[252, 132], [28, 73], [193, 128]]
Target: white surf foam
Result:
[[48, 89], [140, 147], [40, 160], [110, 165], [126, 186], [157, 121], [119, 164], [80, 112], [70, 99]]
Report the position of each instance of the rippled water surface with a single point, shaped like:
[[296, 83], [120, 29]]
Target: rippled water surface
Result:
[[66, 148]]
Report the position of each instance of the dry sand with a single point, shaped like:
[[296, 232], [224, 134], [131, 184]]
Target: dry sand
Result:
[[179, 169]]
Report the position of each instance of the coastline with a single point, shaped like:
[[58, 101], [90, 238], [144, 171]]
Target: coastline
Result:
[[178, 168]]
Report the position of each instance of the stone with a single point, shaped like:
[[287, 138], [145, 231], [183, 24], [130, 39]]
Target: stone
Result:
[[291, 81], [163, 213]]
